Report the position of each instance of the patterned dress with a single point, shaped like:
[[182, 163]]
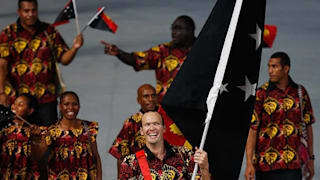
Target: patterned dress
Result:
[[15, 153], [71, 155]]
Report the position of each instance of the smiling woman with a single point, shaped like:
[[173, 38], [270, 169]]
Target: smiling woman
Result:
[[73, 148], [15, 142], [75, 154]]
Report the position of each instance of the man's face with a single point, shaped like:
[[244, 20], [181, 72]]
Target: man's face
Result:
[[152, 128], [28, 13], [147, 99], [277, 72], [180, 32]]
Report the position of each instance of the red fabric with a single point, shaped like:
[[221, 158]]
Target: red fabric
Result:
[[269, 34], [170, 135], [15, 153], [129, 140], [31, 68], [165, 60], [112, 25], [72, 155], [178, 164], [277, 118], [143, 163]]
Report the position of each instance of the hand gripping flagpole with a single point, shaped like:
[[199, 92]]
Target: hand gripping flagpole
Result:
[[92, 19], [76, 16], [214, 91]]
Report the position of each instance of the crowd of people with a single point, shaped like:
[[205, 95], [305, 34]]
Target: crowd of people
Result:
[[37, 144]]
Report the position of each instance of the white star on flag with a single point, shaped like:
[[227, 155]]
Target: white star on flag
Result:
[[248, 88], [223, 88], [257, 36]]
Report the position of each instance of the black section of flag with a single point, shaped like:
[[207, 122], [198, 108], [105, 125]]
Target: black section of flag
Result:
[[103, 22], [66, 14], [185, 101]]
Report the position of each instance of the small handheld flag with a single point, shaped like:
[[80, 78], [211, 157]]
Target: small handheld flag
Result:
[[269, 35], [101, 21], [7, 115], [66, 14]]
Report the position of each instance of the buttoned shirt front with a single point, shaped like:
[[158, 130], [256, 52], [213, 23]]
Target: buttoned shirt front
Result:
[[31, 64], [177, 164], [277, 117], [165, 60]]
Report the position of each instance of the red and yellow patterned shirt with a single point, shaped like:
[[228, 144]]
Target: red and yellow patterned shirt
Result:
[[178, 164], [31, 66], [277, 117], [165, 60]]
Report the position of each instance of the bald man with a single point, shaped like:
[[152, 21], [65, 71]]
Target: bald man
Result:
[[164, 161], [129, 139]]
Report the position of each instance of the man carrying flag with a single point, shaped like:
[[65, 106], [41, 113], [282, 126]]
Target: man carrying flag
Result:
[[217, 83], [29, 50], [129, 139], [158, 159]]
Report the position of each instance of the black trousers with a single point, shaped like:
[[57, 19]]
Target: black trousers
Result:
[[46, 114], [280, 175]]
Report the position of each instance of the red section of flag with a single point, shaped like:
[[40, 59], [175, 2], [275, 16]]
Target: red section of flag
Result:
[[171, 135], [269, 35], [65, 14], [113, 26], [104, 22]]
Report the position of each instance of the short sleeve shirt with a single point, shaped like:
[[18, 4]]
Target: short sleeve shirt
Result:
[[277, 117], [165, 60], [178, 164], [31, 64]]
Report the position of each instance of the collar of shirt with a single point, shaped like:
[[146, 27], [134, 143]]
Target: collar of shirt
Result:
[[273, 86], [39, 26], [151, 156]]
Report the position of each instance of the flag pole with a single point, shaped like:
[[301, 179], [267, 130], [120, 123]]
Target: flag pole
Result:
[[92, 19], [217, 83], [76, 16]]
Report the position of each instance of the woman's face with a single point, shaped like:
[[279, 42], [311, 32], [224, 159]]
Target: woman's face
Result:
[[20, 106], [69, 107]]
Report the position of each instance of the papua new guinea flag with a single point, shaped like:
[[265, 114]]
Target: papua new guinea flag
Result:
[[186, 99], [104, 22], [66, 14]]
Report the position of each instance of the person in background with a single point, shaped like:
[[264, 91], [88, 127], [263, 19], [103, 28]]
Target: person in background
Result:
[[166, 59], [72, 141], [29, 49], [275, 148], [16, 138]]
